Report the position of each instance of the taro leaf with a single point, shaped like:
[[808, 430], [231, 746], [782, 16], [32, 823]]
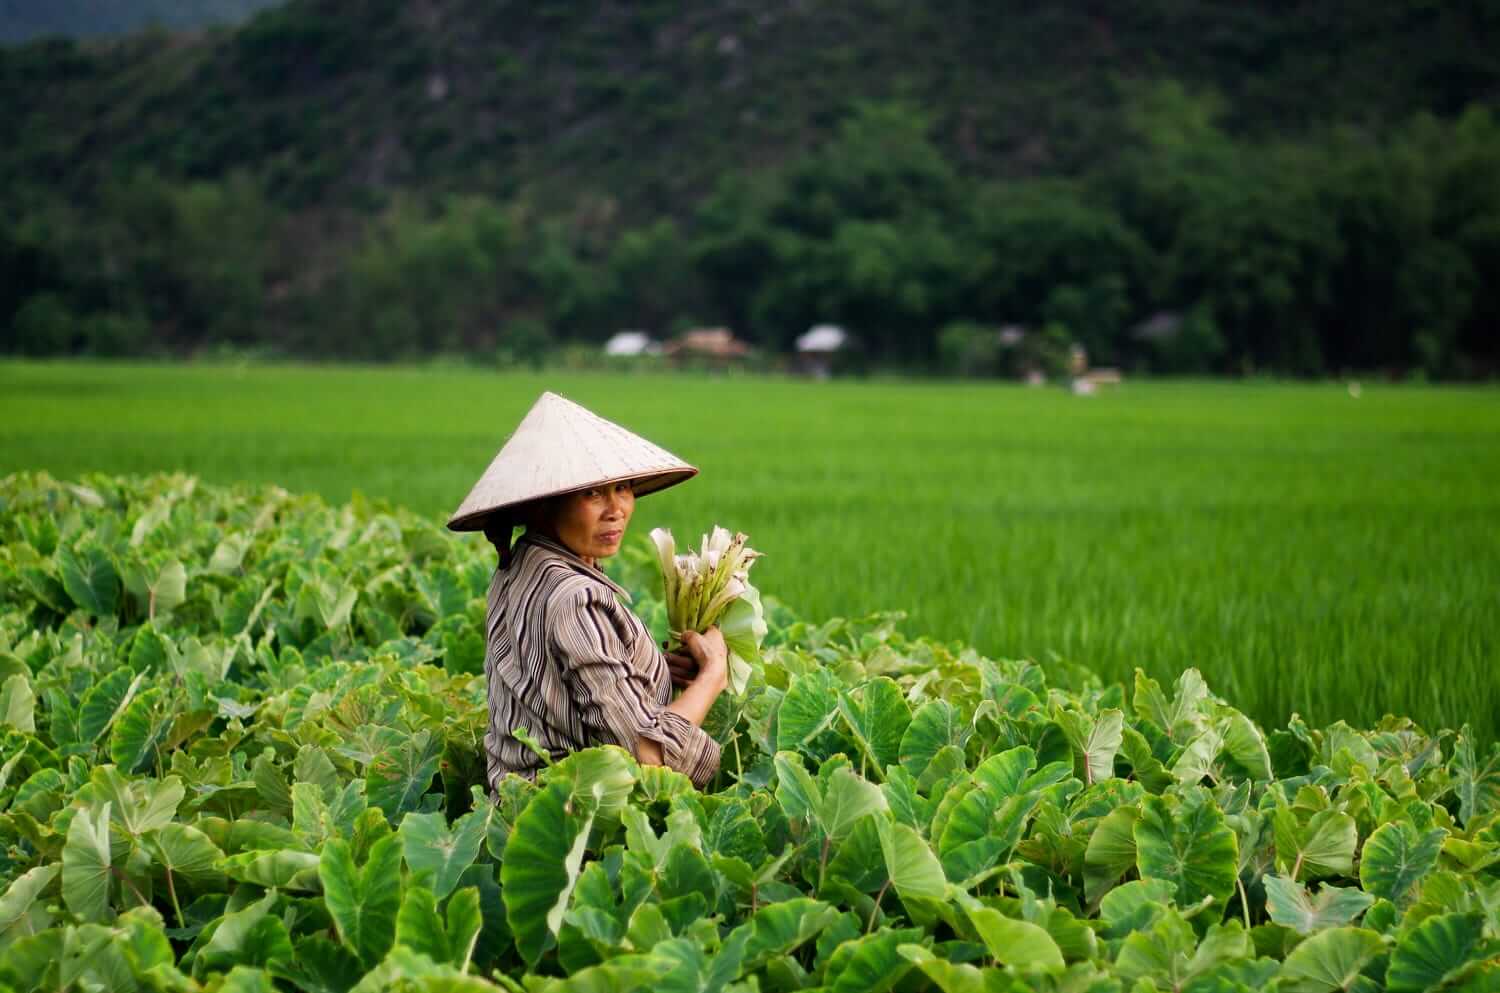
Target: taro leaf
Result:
[[86, 864], [465, 921], [149, 651], [18, 703], [432, 847], [90, 578], [913, 870], [1197, 759], [1329, 960], [418, 925], [543, 856], [1111, 851], [1431, 955], [1182, 718], [779, 929], [281, 868], [846, 799], [869, 964], [320, 966], [1095, 740], [397, 777], [1134, 906], [249, 936], [1015, 943], [604, 776], [798, 793], [103, 702], [906, 804], [808, 711], [1396, 857], [1190, 846], [140, 729], [186, 852], [951, 977], [1291, 905], [1324, 846], [935, 725], [166, 589], [20, 912], [315, 817], [877, 720], [1246, 746], [1478, 785], [622, 974], [1164, 951], [980, 831], [138, 805], [363, 902]]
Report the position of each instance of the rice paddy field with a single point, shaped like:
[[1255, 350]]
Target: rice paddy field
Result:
[[1310, 551]]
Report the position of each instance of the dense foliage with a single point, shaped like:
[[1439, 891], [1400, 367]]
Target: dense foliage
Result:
[[241, 751], [24, 20], [382, 180]]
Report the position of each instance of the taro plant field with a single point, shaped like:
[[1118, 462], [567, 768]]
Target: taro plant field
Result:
[[1184, 687]]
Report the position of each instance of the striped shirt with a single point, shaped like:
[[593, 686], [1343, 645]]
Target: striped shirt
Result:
[[567, 662]]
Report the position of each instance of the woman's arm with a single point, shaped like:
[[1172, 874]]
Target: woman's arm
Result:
[[698, 696]]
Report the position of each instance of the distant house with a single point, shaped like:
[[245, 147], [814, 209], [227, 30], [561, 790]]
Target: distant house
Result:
[[818, 348], [631, 343], [714, 347]]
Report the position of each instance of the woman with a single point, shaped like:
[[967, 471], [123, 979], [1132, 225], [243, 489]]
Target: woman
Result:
[[565, 659]]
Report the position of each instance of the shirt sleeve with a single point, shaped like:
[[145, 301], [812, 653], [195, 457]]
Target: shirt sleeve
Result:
[[616, 703]]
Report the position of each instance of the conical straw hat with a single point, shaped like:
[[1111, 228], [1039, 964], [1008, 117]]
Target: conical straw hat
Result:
[[560, 447]]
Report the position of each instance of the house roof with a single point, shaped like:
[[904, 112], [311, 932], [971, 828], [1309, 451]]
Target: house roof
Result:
[[823, 338]]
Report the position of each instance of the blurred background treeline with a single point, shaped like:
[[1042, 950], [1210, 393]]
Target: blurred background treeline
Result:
[[1201, 186]]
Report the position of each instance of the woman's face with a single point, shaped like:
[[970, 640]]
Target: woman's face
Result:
[[592, 522]]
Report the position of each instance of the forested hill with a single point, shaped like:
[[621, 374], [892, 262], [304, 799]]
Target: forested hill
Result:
[[25, 20], [783, 161], [649, 102]]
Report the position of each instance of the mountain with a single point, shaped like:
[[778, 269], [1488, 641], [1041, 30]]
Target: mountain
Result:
[[645, 104], [26, 20]]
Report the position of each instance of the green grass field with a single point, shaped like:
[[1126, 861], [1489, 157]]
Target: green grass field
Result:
[[1307, 550]]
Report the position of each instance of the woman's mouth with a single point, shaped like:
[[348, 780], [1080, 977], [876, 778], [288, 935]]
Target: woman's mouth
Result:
[[610, 536]]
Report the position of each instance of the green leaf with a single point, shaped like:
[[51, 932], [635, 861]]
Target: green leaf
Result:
[[1396, 857], [396, 778], [86, 864], [1329, 960], [808, 710], [139, 730], [936, 724], [90, 578], [103, 702], [846, 799], [1191, 846], [1291, 905], [1478, 785], [363, 902], [418, 925], [187, 852], [870, 963], [1435, 952], [280, 868], [877, 721], [1110, 852], [543, 857], [1095, 740], [320, 966], [1134, 906], [1322, 847], [604, 776], [913, 870], [443, 853], [21, 914], [1183, 718], [952, 977], [1244, 743], [18, 703], [1016, 943], [779, 929], [249, 936]]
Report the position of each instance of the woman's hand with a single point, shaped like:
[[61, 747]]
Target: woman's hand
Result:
[[712, 655], [683, 667]]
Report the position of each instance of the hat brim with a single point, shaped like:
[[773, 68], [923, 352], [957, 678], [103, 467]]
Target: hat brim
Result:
[[649, 482]]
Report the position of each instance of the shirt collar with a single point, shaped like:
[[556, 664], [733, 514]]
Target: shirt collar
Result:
[[562, 551]]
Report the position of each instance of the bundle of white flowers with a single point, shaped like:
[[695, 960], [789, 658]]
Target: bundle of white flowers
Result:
[[713, 587]]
